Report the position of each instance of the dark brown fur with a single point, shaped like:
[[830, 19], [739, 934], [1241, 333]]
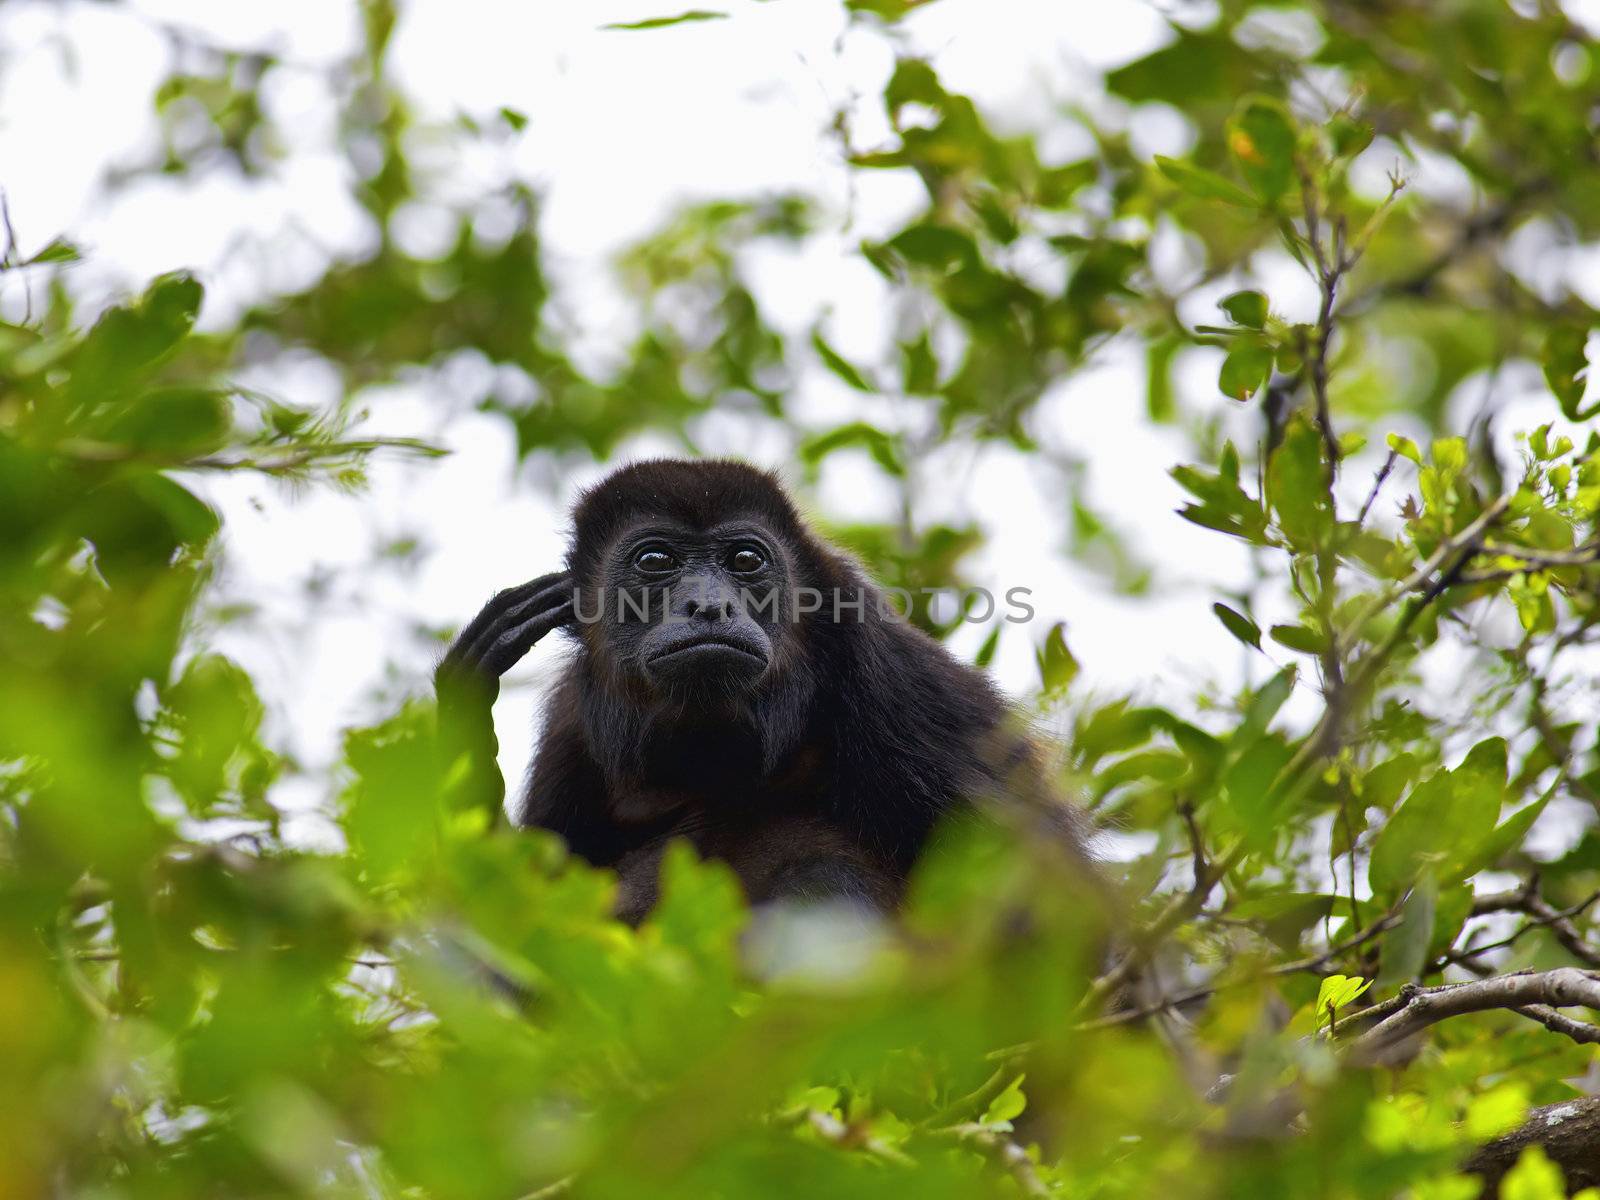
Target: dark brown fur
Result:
[[826, 778]]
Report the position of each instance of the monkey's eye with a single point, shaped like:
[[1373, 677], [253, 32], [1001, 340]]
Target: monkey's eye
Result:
[[747, 559], [654, 561]]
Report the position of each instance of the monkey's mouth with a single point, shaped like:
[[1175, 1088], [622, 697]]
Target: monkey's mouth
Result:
[[709, 650], [717, 656]]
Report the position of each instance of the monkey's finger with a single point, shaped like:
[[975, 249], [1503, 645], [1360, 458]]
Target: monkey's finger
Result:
[[505, 600], [537, 605], [514, 643]]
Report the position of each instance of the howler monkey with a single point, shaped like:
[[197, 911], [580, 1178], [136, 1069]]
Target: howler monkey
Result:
[[740, 683]]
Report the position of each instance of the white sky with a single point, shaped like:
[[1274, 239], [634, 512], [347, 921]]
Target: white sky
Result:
[[622, 126]]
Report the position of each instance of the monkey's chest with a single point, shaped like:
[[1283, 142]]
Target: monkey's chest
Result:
[[763, 827], [698, 787], [766, 852]]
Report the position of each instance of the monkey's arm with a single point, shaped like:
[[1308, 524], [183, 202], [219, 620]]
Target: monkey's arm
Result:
[[468, 681]]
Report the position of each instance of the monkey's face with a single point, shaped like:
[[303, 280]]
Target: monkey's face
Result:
[[694, 610]]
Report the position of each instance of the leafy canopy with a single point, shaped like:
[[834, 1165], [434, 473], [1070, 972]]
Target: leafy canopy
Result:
[[1401, 792]]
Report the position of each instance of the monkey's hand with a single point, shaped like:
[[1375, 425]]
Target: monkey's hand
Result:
[[468, 681]]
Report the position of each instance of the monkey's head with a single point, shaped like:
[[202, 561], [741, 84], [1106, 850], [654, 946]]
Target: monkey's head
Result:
[[686, 575]]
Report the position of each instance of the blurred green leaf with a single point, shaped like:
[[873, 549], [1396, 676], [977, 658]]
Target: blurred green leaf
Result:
[[1203, 184], [1241, 626], [1245, 370], [1566, 369], [836, 363], [1245, 308], [683, 18], [1057, 666], [1262, 139]]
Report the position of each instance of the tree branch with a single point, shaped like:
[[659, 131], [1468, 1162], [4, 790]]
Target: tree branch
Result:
[[1569, 1133], [1314, 962], [1421, 1007], [1318, 743], [1559, 921], [1008, 1153]]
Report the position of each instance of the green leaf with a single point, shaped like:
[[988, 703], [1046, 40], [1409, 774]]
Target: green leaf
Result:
[[1505, 837], [1117, 726], [1159, 398], [58, 251], [986, 651], [1382, 785], [1157, 766], [1241, 626], [1245, 308], [888, 10], [1535, 1177], [1441, 822], [1264, 705], [1245, 370], [1405, 447], [914, 81], [1348, 136], [837, 363], [1497, 1111], [127, 341], [1298, 637], [919, 369], [174, 422], [1262, 138], [1197, 69], [1057, 667], [883, 447], [1206, 185], [1008, 1105], [1566, 369], [1285, 916], [683, 18], [937, 246], [1057, 185], [1297, 485], [1404, 951], [1450, 455], [1337, 991], [1247, 790]]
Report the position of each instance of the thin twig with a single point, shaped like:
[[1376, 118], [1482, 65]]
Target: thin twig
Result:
[[1468, 537], [1313, 963], [847, 1136], [1006, 1151], [1377, 486], [1197, 845], [1316, 745]]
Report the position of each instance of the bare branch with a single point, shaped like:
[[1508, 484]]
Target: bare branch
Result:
[[1578, 1031], [1559, 921], [1420, 1007]]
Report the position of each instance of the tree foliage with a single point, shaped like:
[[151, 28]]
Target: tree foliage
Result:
[[1338, 868]]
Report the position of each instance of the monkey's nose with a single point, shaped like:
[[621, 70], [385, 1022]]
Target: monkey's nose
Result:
[[710, 608]]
